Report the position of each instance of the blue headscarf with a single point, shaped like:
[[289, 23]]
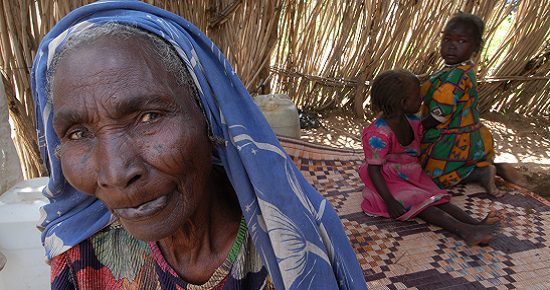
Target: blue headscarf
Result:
[[297, 233]]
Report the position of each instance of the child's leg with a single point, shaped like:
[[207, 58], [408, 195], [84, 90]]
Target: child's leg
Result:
[[491, 218], [472, 234], [486, 177], [510, 174]]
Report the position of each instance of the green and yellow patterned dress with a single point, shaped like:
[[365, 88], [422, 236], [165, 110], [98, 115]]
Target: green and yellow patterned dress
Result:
[[460, 143]]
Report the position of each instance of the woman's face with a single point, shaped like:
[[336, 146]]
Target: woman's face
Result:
[[458, 44], [130, 135]]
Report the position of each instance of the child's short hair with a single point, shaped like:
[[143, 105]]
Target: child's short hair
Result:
[[388, 90], [472, 21]]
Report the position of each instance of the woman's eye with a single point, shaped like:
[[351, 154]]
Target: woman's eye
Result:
[[149, 117], [76, 135]]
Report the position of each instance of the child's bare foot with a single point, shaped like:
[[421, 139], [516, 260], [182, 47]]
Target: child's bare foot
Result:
[[481, 234], [487, 180], [493, 217], [510, 174]]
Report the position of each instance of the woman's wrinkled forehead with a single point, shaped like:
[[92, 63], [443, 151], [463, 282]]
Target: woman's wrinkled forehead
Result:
[[155, 50], [156, 47], [111, 68]]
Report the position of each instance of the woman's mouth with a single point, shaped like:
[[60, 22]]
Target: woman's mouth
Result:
[[146, 209]]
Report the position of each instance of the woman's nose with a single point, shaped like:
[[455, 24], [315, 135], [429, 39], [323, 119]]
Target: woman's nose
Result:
[[119, 164]]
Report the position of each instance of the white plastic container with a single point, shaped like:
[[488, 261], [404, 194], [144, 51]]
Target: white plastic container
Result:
[[26, 266], [281, 114]]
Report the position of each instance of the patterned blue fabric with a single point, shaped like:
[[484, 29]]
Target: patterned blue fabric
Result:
[[296, 231]]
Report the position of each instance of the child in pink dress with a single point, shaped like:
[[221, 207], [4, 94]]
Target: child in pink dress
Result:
[[395, 184]]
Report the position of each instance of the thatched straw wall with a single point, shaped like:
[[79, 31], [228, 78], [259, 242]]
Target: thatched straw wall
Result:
[[328, 49], [323, 53]]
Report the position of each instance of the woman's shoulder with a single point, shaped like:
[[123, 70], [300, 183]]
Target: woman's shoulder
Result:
[[112, 240], [111, 256], [115, 248]]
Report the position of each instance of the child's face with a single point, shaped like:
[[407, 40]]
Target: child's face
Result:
[[458, 44], [413, 99]]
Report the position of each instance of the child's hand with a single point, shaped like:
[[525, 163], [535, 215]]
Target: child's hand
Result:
[[395, 209]]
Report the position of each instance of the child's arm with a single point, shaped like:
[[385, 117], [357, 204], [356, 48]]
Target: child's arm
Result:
[[395, 208], [443, 104], [429, 122]]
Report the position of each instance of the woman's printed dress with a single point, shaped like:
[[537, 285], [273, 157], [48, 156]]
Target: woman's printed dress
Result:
[[401, 170], [460, 143], [112, 259]]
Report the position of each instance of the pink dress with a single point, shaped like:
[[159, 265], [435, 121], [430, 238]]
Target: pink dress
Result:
[[404, 176]]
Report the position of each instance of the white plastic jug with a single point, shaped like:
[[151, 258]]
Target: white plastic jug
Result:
[[25, 266], [281, 114]]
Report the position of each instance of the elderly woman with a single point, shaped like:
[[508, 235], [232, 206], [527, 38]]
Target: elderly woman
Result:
[[163, 172]]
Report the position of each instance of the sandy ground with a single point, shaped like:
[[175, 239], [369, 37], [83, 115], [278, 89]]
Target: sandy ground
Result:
[[522, 141]]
